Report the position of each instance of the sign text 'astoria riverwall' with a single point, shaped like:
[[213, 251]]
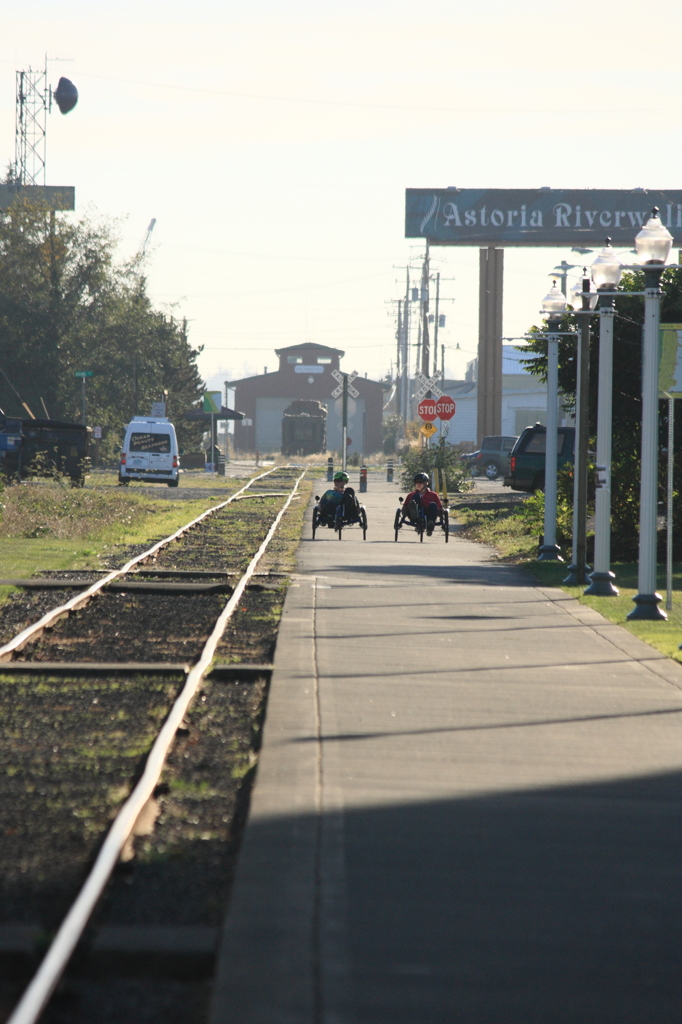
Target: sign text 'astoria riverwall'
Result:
[[543, 217]]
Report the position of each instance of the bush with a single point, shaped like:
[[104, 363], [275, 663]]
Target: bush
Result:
[[442, 456]]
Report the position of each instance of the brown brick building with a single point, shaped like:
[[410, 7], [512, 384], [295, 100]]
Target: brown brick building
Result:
[[305, 372]]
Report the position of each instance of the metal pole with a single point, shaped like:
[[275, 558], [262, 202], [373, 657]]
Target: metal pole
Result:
[[83, 382], [669, 524], [425, 313], [406, 349], [435, 327], [226, 423], [578, 569], [647, 598], [602, 576], [550, 550], [344, 431], [398, 365]]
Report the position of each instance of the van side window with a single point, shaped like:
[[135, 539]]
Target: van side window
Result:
[[143, 442]]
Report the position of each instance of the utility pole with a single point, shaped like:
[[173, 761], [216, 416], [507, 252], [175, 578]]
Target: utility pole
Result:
[[420, 325], [406, 349], [425, 353], [435, 326], [398, 364]]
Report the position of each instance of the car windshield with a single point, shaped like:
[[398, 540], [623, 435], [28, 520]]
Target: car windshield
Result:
[[160, 443]]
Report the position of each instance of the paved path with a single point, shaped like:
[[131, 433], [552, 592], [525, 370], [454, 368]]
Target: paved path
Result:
[[468, 804]]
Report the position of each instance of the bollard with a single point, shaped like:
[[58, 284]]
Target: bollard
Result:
[[363, 479], [330, 469], [389, 471]]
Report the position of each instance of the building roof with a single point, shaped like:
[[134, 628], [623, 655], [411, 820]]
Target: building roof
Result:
[[309, 346]]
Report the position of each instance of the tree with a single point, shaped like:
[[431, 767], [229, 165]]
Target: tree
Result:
[[66, 304]]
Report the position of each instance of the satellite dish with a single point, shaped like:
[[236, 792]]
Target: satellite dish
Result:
[[66, 95]]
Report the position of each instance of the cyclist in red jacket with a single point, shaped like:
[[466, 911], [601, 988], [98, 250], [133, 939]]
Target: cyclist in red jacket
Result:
[[428, 499]]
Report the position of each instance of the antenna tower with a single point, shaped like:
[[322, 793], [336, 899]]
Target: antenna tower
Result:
[[33, 102]]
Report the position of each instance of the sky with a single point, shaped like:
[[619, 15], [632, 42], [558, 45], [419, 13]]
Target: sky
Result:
[[273, 143]]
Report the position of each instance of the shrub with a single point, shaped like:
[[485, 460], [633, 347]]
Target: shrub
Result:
[[442, 456]]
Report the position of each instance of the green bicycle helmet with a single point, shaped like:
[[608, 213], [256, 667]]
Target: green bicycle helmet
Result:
[[341, 476]]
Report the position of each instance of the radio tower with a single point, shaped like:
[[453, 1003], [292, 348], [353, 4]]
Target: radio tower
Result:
[[33, 97], [34, 103]]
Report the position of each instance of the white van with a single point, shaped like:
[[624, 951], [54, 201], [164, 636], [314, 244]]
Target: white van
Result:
[[149, 452]]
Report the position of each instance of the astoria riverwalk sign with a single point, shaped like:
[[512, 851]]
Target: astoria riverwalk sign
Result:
[[542, 216]]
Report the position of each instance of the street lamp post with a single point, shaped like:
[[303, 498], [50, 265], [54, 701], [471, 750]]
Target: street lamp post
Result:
[[585, 297], [653, 245], [553, 306], [606, 274]]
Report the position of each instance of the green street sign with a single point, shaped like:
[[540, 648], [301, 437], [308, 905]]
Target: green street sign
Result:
[[83, 373]]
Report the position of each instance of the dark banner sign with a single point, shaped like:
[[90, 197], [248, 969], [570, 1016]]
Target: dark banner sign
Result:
[[542, 217], [56, 197]]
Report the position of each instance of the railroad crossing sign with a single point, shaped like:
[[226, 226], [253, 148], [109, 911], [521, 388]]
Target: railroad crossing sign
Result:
[[428, 384], [427, 409], [337, 375], [429, 429]]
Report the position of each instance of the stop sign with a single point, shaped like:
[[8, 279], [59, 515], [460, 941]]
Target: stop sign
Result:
[[445, 408], [427, 409]]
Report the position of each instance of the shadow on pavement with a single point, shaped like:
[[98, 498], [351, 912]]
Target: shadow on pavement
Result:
[[556, 906]]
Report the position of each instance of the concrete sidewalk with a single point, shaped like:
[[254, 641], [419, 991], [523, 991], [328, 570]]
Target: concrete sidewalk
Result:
[[468, 803]]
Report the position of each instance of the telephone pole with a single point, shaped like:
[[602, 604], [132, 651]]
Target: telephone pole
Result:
[[435, 326], [425, 353]]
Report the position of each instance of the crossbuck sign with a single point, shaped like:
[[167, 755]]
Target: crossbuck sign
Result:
[[427, 384], [337, 375]]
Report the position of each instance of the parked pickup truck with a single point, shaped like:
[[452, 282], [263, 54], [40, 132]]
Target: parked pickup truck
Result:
[[527, 459]]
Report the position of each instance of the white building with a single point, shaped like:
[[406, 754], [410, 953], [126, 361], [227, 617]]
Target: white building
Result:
[[524, 399]]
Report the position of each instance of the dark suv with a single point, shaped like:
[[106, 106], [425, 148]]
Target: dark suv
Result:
[[527, 460], [492, 458]]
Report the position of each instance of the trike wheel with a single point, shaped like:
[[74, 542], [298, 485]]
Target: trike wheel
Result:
[[363, 523], [396, 523], [446, 526]]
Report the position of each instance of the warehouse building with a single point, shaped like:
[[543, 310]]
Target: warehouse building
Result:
[[305, 373]]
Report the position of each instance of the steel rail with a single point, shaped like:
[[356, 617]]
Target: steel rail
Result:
[[53, 965], [17, 642]]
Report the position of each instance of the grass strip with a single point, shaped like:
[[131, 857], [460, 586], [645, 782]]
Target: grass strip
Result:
[[514, 535], [116, 524]]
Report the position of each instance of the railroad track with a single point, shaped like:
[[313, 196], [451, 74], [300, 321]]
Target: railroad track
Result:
[[193, 571]]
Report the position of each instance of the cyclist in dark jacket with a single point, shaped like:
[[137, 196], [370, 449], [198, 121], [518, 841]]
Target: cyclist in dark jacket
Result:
[[339, 495], [424, 497]]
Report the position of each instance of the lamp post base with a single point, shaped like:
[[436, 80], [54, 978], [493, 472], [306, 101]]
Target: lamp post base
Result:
[[647, 607], [549, 553], [601, 585], [572, 578]]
